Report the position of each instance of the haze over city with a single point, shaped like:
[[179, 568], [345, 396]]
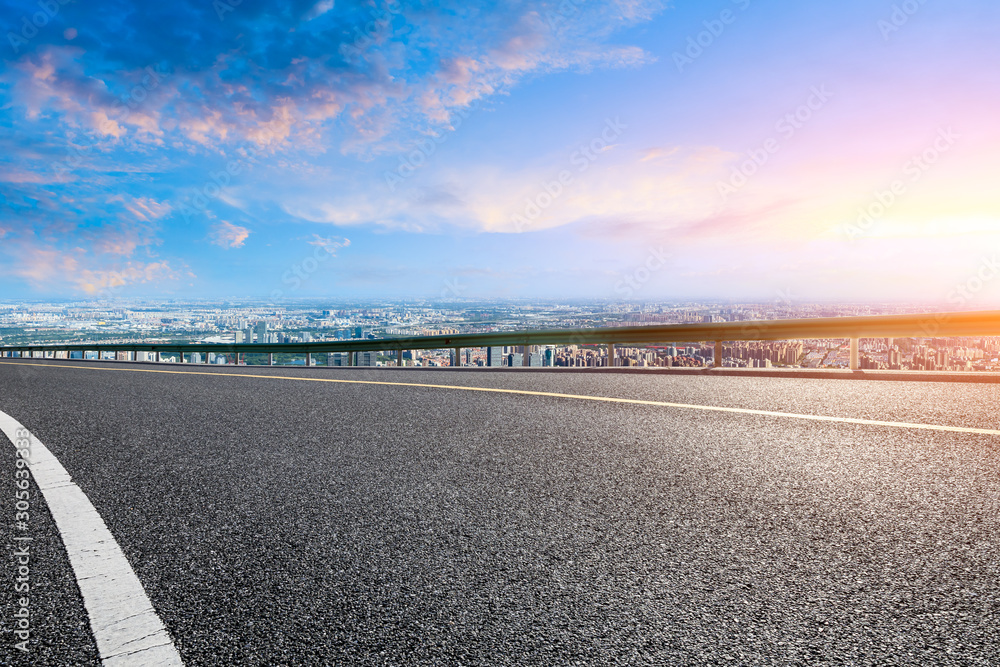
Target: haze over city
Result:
[[617, 150]]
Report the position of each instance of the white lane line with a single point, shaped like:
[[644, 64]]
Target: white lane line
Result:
[[126, 628]]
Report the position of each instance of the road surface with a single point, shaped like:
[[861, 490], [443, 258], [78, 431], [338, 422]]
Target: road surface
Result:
[[274, 520]]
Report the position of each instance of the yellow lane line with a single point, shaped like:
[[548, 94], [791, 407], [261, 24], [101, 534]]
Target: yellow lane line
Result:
[[525, 392]]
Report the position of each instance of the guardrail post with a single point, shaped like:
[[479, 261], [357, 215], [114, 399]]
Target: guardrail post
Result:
[[309, 359], [399, 358], [718, 354], [611, 355], [270, 358], [855, 344], [458, 356]]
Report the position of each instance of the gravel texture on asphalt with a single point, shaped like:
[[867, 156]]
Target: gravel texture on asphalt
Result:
[[276, 522], [59, 629]]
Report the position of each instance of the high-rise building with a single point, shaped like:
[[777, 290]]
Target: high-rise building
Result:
[[514, 359], [262, 332], [494, 356], [338, 359], [367, 358], [534, 359]]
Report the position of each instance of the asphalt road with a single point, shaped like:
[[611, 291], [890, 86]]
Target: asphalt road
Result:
[[285, 522]]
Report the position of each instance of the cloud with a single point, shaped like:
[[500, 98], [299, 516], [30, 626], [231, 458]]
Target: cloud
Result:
[[320, 8], [145, 209], [44, 266], [227, 235], [310, 72], [121, 240], [93, 281], [616, 187], [53, 268], [330, 244]]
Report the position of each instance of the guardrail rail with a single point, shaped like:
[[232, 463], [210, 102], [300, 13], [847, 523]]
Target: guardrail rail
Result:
[[961, 324]]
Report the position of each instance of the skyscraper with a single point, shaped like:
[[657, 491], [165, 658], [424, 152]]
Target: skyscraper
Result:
[[494, 356], [262, 332]]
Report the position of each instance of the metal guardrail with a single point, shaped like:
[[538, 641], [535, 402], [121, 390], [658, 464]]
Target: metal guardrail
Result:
[[975, 323]]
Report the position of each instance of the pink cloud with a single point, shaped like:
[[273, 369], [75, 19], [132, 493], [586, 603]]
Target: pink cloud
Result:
[[228, 235], [83, 269], [145, 209], [44, 266], [124, 241], [92, 281]]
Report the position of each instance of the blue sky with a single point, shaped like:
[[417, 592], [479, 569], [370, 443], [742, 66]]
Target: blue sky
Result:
[[575, 149]]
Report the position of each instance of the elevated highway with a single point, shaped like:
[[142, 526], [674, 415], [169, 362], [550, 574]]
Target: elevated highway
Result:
[[324, 516]]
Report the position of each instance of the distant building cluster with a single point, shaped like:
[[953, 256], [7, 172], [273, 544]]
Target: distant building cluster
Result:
[[259, 323], [930, 354]]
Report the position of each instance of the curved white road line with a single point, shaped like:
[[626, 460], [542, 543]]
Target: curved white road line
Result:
[[126, 628]]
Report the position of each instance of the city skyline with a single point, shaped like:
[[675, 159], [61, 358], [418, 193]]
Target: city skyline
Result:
[[620, 150]]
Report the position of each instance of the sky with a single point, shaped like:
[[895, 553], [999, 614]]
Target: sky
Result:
[[574, 149]]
